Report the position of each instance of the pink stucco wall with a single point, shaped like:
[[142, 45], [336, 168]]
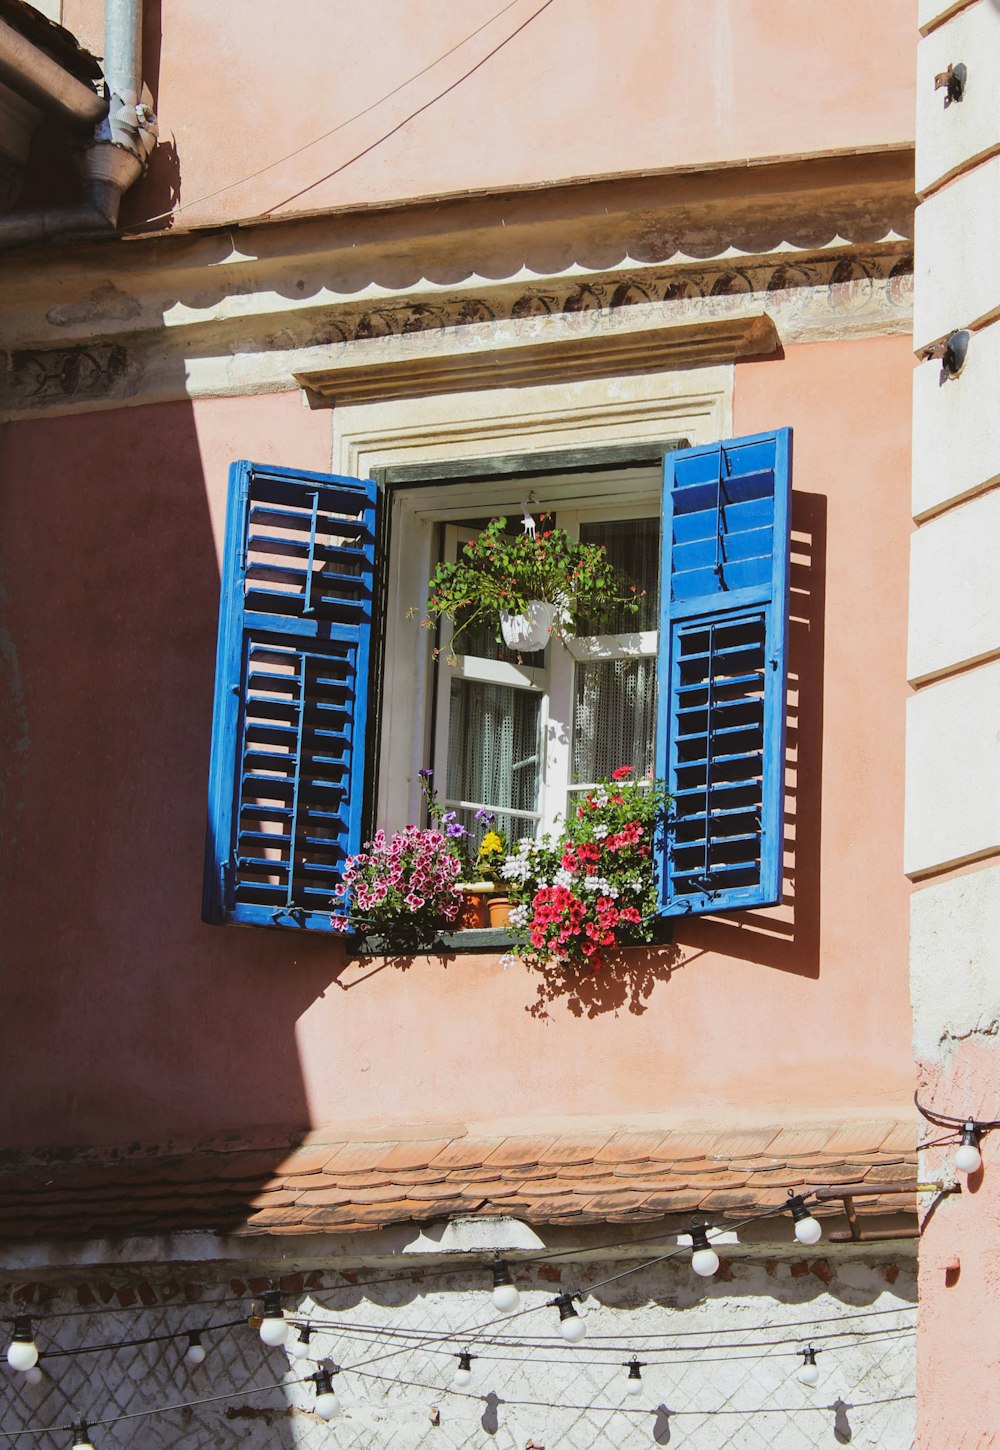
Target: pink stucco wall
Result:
[[958, 1401], [585, 87], [128, 1018]]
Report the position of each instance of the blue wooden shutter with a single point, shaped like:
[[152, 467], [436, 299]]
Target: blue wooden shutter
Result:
[[722, 668], [291, 692]]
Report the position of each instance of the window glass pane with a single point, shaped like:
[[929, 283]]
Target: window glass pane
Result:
[[633, 547], [493, 753], [614, 720]]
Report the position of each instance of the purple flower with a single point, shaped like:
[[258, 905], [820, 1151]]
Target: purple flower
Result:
[[486, 816], [426, 773], [454, 829]]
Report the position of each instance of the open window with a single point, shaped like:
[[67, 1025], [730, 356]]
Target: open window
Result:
[[692, 687]]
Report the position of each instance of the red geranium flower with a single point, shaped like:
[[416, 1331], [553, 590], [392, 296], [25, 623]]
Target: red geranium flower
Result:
[[621, 772]]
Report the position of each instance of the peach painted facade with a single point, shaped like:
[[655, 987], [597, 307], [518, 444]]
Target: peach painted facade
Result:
[[721, 193], [342, 1036]]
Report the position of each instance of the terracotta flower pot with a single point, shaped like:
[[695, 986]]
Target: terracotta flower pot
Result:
[[499, 910]]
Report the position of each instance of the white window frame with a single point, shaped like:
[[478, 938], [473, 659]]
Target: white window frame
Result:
[[408, 707]]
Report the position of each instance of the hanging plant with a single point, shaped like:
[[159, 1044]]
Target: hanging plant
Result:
[[541, 582]]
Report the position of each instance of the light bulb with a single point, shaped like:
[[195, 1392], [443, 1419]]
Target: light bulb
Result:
[[33, 1376], [299, 1348], [195, 1352], [571, 1326], [633, 1385], [505, 1295], [327, 1404], [704, 1260], [809, 1370], [22, 1352], [463, 1375], [273, 1326], [807, 1230], [968, 1158], [81, 1436]]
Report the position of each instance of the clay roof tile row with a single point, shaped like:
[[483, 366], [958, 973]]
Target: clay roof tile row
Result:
[[326, 1185]]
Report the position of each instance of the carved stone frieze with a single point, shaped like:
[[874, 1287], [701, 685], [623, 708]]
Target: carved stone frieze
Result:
[[262, 349], [34, 377]]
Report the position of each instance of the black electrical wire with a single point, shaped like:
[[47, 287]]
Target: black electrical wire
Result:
[[373, 105], [624, 1408], [944, 1120], [136, 1343]]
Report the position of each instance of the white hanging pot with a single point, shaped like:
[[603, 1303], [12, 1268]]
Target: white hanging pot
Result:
[[530, 630]]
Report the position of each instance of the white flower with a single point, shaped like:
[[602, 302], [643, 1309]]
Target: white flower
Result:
[[515, 869], [520, 915], [594, 883], [600, 832], [563, 878], [508, 959]]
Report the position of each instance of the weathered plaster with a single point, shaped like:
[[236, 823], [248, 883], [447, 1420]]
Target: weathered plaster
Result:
[[955, 589], [953, 771], [954, 930], [951, 137], [703, 1382], [956, 426], [957, 268]]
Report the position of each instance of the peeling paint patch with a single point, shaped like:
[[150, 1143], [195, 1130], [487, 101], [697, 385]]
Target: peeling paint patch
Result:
[[106, 303]]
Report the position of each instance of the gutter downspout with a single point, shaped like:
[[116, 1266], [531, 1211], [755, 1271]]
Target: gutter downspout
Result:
[[117, 155]]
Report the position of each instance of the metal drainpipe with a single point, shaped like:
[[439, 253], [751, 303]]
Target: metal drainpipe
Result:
[[121, 146]]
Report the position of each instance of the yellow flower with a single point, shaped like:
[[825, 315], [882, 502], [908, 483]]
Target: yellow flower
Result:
[[491, 844]]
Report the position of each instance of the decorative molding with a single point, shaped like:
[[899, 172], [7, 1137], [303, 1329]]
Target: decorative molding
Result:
[[474, 364]]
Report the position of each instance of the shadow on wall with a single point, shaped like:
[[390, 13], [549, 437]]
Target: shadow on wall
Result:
[[126, 1017], [788, 937]]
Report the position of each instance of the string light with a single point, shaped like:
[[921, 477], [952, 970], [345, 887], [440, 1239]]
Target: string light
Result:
[[81, 1436], [505, 1295], [968, 1158], [22, 1352], [33, 1376], [633, 1385], [704, 1259], [571, 1326], [808, 1371], [299, 1348], [274, 1326], [327, 1404], [808, 1230], [463, 1375], [195, 1352]]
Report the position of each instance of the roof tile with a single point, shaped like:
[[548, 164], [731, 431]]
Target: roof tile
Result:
[[798, 1143], [517, 1153], [571, 1151], [307, 1160], [466, 1153], [628, 1147]]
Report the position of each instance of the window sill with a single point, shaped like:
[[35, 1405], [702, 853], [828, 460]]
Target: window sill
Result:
[[480, 940]]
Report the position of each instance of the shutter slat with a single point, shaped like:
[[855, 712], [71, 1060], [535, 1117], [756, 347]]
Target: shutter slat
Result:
[[720, 729]]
